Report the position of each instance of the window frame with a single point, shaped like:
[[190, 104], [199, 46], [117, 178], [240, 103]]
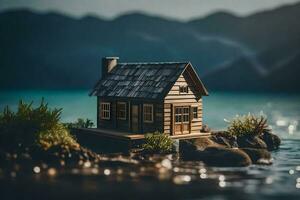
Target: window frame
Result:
[[105, 107], [183, 89], [125, 110], [182, 114], [145, 113], [195, 112]]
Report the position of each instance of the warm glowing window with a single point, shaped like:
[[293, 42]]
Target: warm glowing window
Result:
[[105, 110], [148, 113], [183, 89], [121, 110]]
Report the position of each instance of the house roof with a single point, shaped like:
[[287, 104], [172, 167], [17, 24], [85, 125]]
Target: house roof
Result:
[[144, 80]]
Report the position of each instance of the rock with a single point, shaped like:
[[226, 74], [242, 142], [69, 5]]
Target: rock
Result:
[[258, 156], [272, 141], [214, 155], [205, 129], [204, 142], [69, 155], [251, 142], [223, 138]]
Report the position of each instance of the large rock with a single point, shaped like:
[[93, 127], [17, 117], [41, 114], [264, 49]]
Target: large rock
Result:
[[203, 142], [258, 156], [214, 155], [251, 142], [272, 141], [223, 138]]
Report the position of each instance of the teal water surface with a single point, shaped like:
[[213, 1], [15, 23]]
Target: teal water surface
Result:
[[282, 110], [278, 181]]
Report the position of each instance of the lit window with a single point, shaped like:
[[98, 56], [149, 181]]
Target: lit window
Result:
[[195, 112], [183, 89], [105, 110], [121, 110], [148, 113]]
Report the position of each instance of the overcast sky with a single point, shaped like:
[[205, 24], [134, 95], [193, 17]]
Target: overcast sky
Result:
[[179, 9]]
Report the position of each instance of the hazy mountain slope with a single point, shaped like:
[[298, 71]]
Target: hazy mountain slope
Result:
[[282, 69], [55, 51], [258, 31]]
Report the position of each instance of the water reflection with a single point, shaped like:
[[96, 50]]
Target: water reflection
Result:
[[167, 173]]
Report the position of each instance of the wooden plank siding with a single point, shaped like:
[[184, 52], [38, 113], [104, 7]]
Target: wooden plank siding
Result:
[[125, 125], [175, 98]]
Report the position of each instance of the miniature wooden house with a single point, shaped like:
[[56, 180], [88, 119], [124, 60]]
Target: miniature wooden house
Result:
[[149, 97]]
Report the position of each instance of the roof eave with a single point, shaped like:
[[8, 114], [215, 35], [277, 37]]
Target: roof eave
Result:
[[198, 78]]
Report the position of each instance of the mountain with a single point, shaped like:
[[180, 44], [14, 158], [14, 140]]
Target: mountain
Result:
[[231, 53]]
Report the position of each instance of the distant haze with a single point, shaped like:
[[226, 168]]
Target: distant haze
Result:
[[179, 9]]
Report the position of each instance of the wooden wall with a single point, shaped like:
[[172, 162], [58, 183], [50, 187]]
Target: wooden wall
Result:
[[174, 98], [125, 125]]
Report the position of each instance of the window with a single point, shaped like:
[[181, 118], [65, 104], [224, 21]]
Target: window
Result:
[[185, 114], [178, 115], [195, 112], [105, 110], [182, 114], [121, 110], [148, 113], [183, 89]]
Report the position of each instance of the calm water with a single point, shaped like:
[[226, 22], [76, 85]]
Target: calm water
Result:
[[280, 180]]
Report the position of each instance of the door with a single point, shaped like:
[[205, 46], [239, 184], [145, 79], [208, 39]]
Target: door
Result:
[[182, 120], [135, 118]]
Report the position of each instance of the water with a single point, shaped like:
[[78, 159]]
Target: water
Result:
[[278, 181]]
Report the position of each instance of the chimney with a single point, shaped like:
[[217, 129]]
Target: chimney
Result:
[[108, 63]]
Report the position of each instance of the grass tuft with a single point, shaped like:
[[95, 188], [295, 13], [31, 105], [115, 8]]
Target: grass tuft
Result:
[[29, 126], [248, 125], [157, 143]]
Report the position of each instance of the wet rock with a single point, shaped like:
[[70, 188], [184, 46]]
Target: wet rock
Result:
[[272, 141], [251, 142], [214, 155], [205, 129], [223, 138], [203, 143], [258, 156], [70, 156]]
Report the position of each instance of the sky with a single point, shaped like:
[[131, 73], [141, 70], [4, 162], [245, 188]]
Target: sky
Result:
[[177, 9]]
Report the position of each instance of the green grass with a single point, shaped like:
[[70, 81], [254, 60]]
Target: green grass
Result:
[[248, 125], [29, 126], [157, 143], [80, 123]]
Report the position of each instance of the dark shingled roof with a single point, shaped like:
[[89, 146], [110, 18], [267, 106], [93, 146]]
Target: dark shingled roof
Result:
[[140, 80]]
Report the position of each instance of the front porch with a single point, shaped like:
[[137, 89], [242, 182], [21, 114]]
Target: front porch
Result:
[[116, 141]]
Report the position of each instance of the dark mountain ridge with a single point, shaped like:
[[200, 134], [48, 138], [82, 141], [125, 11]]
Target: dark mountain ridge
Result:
[[230, 53]]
